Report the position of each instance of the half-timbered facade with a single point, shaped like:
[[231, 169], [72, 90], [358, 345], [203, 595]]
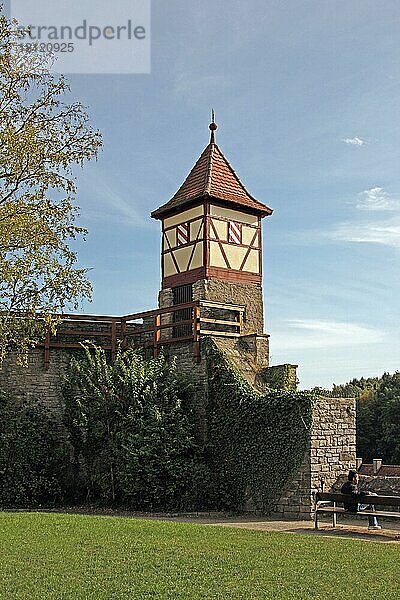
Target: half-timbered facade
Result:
[[212, 225], [211, 228]]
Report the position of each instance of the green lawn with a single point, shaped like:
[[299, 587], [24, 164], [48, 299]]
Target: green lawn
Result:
[[48, 556]]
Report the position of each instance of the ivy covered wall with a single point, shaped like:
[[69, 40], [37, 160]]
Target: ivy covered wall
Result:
[[263, 450], [255, 442], [282, 377]]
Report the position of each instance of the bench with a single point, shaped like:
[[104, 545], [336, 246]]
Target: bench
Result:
[[326, 502]]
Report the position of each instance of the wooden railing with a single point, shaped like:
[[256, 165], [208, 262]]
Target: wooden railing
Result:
[[151, 329]]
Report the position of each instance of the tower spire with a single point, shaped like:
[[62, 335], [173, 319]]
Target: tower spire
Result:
[[213, 126]]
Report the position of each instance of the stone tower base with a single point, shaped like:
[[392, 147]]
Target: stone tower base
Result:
[[226, 292]]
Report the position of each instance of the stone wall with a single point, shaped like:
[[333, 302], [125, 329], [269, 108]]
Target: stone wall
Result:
[[282, 377], [248, 359], [249, 295], [165, 298], [332, 450], [216, 290], [331, 454], [34, 381]]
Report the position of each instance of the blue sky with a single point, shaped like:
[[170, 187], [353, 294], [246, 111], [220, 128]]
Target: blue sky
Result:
[[306, 95]]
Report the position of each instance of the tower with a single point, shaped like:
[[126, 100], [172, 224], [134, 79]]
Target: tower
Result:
[[211, 239]]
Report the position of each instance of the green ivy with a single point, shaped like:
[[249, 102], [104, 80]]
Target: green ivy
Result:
[[257, 442], [132, 438], [281, 377]]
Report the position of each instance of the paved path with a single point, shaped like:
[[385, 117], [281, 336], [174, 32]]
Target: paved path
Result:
[[347, 528]]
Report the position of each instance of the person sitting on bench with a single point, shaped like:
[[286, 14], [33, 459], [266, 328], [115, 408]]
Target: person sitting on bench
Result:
[[351, 488]]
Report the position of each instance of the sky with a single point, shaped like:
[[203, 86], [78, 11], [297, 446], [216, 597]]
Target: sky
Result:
[[307, 98]]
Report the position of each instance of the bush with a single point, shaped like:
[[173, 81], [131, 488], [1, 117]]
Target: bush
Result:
[[30, 454], [132, 430]]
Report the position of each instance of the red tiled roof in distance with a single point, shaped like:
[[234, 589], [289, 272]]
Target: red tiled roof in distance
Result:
[[212, 176], [366, 469], [389, 471], [384, 471]]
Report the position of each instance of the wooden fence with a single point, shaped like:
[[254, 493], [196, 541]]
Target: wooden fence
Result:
[[151, 329]]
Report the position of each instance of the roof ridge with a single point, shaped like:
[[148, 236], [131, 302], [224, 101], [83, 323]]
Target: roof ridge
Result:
[[191, 172], [236, 176], [209, 168]]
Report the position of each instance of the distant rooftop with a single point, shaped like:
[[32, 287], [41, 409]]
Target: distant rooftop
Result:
[[382, 471]]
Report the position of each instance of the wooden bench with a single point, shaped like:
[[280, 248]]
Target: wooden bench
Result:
[[326, 502]]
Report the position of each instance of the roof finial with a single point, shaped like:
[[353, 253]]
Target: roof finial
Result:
[[213, 127]]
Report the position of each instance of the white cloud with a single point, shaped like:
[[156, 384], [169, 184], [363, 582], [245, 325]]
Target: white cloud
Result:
[[377, 199], [372, 228], [386, 232], [355, 141], [314, 333]]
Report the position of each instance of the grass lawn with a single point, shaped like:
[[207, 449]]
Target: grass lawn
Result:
[[52, 556]]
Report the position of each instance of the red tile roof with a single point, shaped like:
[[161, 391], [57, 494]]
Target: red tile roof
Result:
[[366, 470], [389, 471], [212, 176], [384, 471]]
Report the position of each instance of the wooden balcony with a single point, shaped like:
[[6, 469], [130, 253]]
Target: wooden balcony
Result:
[[151, 329]]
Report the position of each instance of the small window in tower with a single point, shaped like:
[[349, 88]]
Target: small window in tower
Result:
[[182, 234], [234, 232]]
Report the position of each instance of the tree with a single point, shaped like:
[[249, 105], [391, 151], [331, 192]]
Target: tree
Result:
[[42, 140], [370, 443], [388, 398]]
